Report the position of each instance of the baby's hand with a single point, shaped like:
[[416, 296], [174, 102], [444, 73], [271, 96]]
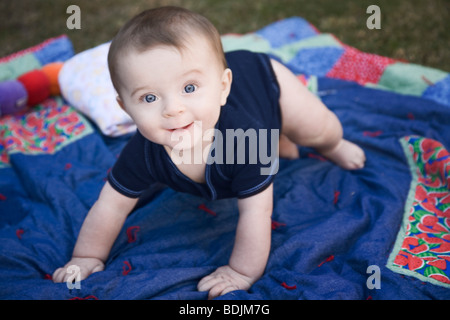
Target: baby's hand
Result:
[[347, 155], [224, 280], [87, 267]]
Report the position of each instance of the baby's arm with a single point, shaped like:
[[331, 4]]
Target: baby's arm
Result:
[[251, 248], [98, 233]]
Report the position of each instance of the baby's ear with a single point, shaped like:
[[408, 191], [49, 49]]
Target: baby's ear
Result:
[[227, 79], [120, 102]]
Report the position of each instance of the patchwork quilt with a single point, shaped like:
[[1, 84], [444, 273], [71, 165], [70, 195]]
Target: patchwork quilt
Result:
[[382, 232]]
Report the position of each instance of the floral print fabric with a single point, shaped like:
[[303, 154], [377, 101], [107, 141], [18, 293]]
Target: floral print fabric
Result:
[[422, 249]]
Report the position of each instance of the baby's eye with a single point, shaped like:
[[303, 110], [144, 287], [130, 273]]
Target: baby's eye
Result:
[[190, 88], [150, 98]]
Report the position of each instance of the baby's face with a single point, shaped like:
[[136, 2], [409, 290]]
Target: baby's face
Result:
[[166, 90]]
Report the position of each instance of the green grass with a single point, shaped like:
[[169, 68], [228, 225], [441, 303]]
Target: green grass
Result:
[[412, 30]]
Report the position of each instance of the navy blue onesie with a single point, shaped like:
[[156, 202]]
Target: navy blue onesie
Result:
[[253, 104]]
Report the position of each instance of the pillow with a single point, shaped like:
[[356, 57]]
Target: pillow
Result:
[[85, 83]]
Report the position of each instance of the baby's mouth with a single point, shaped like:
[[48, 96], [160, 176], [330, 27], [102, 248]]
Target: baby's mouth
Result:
[[182, 128]]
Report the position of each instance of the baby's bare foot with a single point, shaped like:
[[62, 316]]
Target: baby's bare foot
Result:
[[347, 155]]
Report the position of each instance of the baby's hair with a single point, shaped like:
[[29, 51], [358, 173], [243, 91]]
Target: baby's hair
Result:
[[171, 26]]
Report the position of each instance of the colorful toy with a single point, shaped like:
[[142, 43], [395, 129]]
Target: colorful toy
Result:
[[29, 89], [51, 70], [37, 85], [13, 97]]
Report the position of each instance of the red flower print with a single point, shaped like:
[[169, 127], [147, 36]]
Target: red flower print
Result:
[[441, 278], [438, 263], [415, 263], [401, 260], [419, 249], [444, 247]]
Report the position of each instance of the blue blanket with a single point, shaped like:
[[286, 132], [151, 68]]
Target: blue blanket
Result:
[[333, 231]]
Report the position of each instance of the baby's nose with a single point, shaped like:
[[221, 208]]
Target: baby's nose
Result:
[[173, 108]]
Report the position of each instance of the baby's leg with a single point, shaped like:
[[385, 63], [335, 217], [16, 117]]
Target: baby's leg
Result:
[[308, 122]]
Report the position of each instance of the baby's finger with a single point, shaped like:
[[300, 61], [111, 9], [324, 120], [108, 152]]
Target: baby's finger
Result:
[[220, 289], [228, 289], [58, 275], [207, 283], [98, 268]]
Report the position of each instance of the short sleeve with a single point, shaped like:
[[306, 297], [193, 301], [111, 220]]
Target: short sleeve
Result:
[[258, 171], [130, 174]]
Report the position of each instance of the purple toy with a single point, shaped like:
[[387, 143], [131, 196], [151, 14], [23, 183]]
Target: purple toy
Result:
[[13, 97]]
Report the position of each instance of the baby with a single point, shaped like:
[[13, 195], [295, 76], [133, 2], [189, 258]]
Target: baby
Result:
[[186, 96]]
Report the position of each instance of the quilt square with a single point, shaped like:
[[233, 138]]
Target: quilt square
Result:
[[46, 129], [287, 31], [358, 66], [422, 248], [315, 61]]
